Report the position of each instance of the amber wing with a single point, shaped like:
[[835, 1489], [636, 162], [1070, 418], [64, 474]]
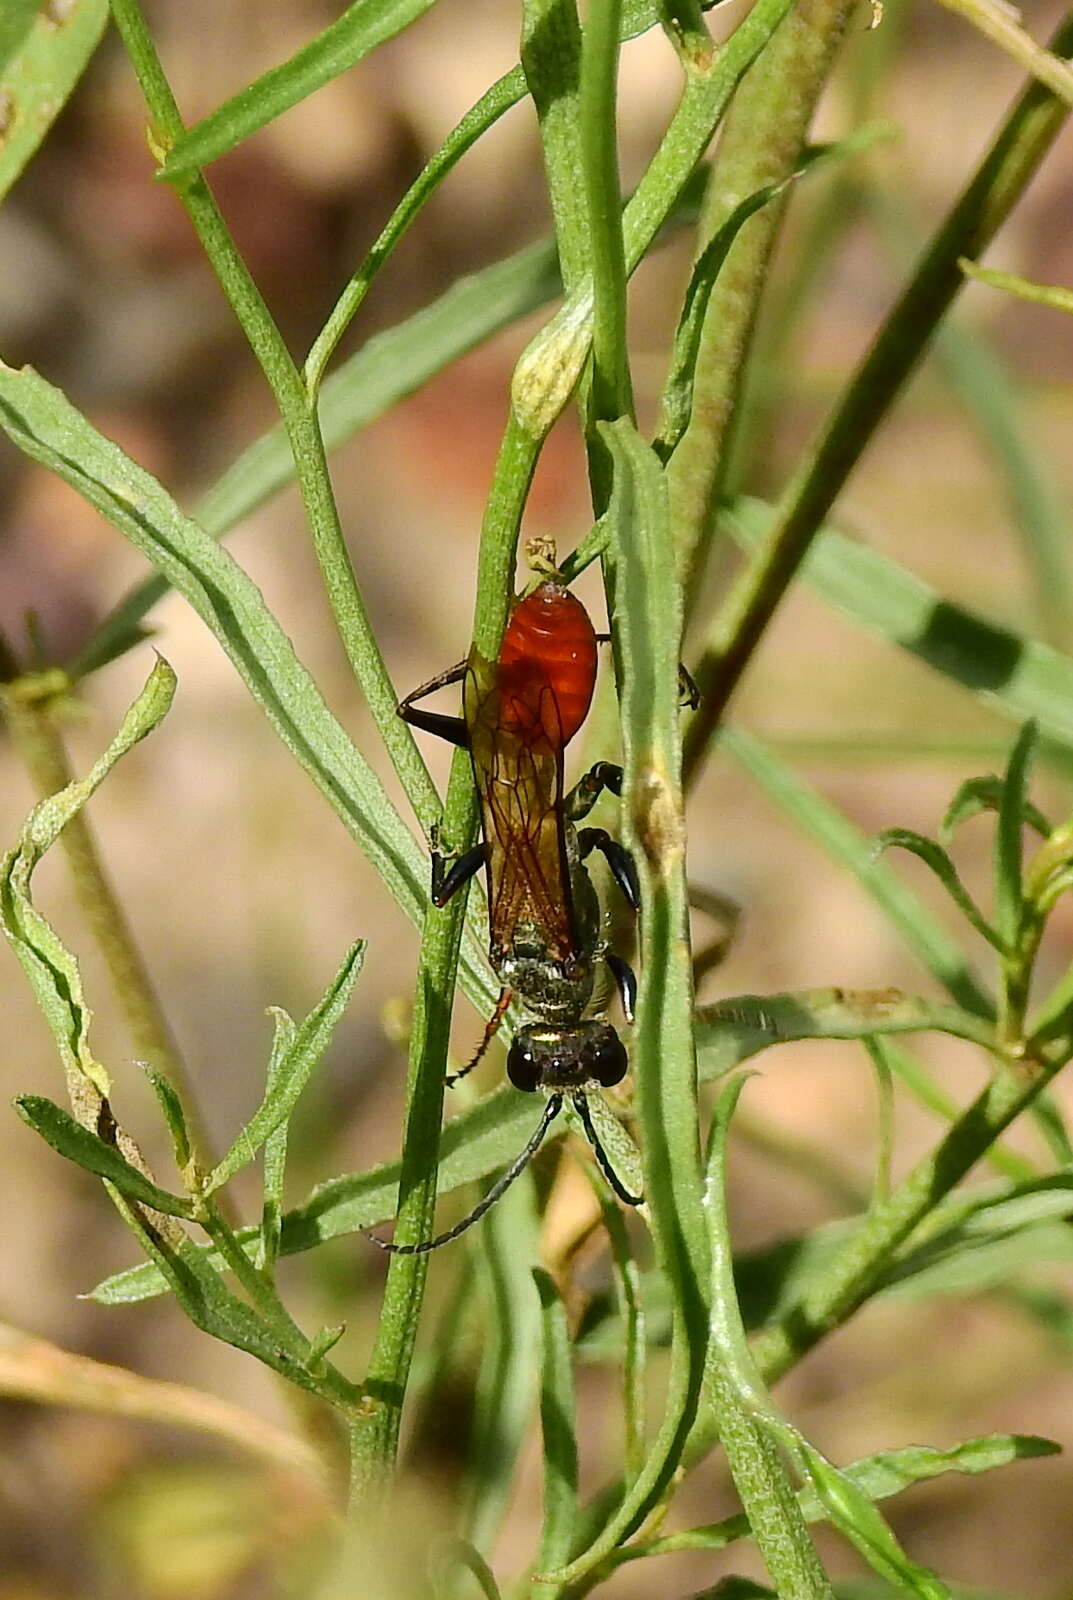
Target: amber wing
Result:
[[520, 780]]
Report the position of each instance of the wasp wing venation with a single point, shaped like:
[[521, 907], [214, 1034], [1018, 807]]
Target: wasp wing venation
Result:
[[520, 782]]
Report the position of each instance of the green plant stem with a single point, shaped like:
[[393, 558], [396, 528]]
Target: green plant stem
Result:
[[859, 1268], [761, 144], [328, 1382], [38, 741], [612, 392], [999, 182], [298, 410], [503, 94], [375, 1428], [749, 1426], [545, 378]]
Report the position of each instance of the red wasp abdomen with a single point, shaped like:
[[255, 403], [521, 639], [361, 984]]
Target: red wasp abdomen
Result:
[[548, 654]]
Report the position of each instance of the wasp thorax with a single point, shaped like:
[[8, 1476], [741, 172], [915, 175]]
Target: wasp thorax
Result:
[[548, 1057]]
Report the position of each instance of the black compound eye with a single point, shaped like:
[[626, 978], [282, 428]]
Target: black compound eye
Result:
[[610, 1060], [523, 1069]]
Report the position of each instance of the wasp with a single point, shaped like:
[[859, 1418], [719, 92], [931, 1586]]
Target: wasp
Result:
[[546, 935]]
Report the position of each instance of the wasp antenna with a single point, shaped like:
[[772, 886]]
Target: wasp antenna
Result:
[[581, 1106], [496, 1192], [491, 1028]]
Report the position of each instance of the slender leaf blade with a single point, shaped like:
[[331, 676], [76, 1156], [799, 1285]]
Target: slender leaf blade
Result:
[[934, 856], [1056, 296], [292, 1071], [41, 421], [558, 1427], [740, 1026], [852, 849], [275, 1159], [510, 1357], [362, 27], [855, 1515], [1009, 890], [86, 1149], [50, 967], [1019, 677], [40, 65]]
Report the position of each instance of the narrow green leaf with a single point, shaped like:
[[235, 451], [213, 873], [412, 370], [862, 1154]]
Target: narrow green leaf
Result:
[[551, 63], [509, 1320], [855, 1516], [49, 965], [879, 1477], [460, 1553], [732, 1030], [323, 1343], [923, 1088], [975, 1243], [1020, 677], [676, 401], [881, 1186], [645, 603], [362, 26], [748, 1424], [40, 65], [985, 794], [1009, 890], [275, 1158], [891, 1471], [1042, 294], [610, 385], [292, 1071], [969, 1266], [852, 849], [76, 1143], [174, 1115], [728, 1349], [386, 369], [934, 856], [630, 1348], [44, 425], [557, 1427], [212, 1307], [1051, 1123]]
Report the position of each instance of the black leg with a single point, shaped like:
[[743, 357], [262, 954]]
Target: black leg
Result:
[[618, 859], [581, 1106], [491, 1028], [446, 881], [588, 789], [453, 729], [688, 693], [625, 982], [498, 1189]]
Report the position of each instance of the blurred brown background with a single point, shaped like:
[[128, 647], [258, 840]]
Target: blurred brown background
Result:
[[103, 289]]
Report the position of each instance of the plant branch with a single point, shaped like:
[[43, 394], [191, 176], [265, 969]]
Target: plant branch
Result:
[[35, 734], [763, 137], [298, 410], [998, 184]]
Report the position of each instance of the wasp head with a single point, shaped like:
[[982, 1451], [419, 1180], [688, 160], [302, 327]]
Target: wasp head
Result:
[[547, 1056]]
